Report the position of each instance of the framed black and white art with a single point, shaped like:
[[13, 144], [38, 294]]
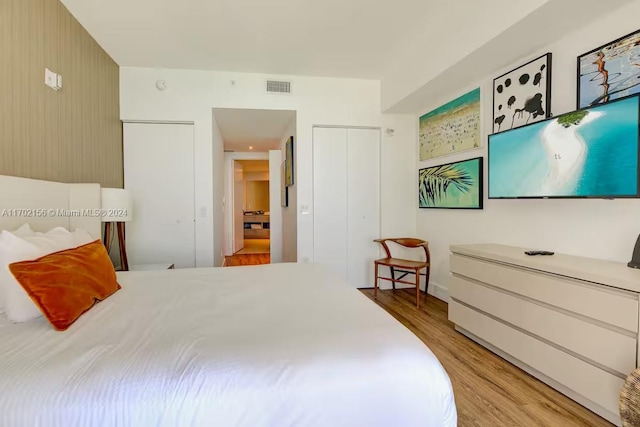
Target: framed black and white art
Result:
[[523, 95]]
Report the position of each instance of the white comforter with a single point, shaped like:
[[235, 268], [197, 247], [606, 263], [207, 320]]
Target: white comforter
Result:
[[277, 345]]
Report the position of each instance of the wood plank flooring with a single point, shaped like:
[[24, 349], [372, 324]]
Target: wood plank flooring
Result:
[[489, 391], [255, 246], [247, 259]]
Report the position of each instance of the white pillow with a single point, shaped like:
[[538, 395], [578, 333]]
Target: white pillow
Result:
[[82, 237], [23, 230], [18, 305], [16, 249], [55, 240]]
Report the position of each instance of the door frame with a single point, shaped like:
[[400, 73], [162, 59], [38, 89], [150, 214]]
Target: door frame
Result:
[[229, 220]]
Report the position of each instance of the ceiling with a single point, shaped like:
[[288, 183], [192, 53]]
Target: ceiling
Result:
[[334, 38], [254, 165], [263, 130]]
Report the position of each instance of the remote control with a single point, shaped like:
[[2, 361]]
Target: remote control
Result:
[[531, 253]]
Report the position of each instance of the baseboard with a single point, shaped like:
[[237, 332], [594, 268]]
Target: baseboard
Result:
[[435, 289], [439, 291]]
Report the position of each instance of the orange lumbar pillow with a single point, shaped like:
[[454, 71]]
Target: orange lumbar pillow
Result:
[[66, 284]]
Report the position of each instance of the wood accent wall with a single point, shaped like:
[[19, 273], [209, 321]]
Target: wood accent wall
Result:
[[70, 135]]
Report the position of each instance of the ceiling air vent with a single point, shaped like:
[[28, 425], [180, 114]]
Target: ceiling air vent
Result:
[[278, 86]]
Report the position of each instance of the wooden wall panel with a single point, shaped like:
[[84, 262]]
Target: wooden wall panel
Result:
[[71, 135]]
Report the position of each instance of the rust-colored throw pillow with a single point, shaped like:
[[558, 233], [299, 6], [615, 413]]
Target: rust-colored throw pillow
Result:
[[66, 284]]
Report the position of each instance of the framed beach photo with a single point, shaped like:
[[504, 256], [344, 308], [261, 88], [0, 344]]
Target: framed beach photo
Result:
[[451, 128], [609, 72], [456, 185]]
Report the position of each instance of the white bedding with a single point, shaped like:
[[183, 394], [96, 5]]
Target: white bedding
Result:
[[276, 345]]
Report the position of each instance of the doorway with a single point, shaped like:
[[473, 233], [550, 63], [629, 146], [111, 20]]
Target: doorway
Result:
[[253, 206], [256, 221]]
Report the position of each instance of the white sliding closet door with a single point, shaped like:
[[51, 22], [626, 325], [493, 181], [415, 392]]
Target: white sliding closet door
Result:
[[330, 198], [346, 185], [363, 204], [159, 174]]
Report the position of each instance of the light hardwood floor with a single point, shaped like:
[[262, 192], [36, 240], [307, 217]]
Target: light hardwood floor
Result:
[[489, 391], [255, 246], [246, 259]]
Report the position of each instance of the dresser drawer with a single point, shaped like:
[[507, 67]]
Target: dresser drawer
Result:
[[613, 307], [583, 378], [591, 341]]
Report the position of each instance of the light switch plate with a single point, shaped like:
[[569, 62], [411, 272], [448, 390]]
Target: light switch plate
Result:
[[51, 79]]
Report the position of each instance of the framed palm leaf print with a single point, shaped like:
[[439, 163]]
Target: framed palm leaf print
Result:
[[457, 185]]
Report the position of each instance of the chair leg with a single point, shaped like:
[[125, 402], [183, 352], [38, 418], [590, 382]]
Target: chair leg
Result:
[[426, 284], [375, 285], [418, 288], [393, 277]]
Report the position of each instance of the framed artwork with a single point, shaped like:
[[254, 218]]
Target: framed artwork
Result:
[[457, 185], [284, 190], [289, 161], [523, 95], [609, 72], [451, 128]]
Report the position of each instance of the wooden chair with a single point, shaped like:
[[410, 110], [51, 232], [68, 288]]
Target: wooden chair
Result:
[[404, 266]]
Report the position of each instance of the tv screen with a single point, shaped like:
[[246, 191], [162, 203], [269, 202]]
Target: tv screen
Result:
[[586, 153]]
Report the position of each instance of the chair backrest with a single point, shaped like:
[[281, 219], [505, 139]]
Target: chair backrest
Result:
[[407, 242]]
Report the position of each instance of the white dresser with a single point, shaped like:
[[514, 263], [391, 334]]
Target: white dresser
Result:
[[570, 321]]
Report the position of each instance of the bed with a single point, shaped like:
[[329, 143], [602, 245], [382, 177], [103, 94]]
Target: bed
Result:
[[272, 345]]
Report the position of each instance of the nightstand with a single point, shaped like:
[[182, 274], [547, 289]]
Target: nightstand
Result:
[[149, 267]]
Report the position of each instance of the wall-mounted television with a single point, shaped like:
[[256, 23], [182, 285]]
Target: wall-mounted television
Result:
[[591, 152]]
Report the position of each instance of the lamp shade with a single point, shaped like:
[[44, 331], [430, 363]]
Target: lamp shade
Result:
[[116, 205]]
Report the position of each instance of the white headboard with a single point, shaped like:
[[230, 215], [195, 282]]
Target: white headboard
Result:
[[47, 204]]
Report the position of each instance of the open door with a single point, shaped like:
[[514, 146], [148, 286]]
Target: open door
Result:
[[238, 207]]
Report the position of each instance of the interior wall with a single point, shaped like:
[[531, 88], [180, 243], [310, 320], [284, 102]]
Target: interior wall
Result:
[[275, 210], [218, 202], [190, 96], [290, 213], [605, 229], [70, 135], [409, 70], [256, 191], [398, 183]]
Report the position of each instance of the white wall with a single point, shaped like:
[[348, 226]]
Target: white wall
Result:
[[398, 184], [275, 210], [604, 229], [421, 60], [218, 202], [190, 95], [290, 213], [253, 176]]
